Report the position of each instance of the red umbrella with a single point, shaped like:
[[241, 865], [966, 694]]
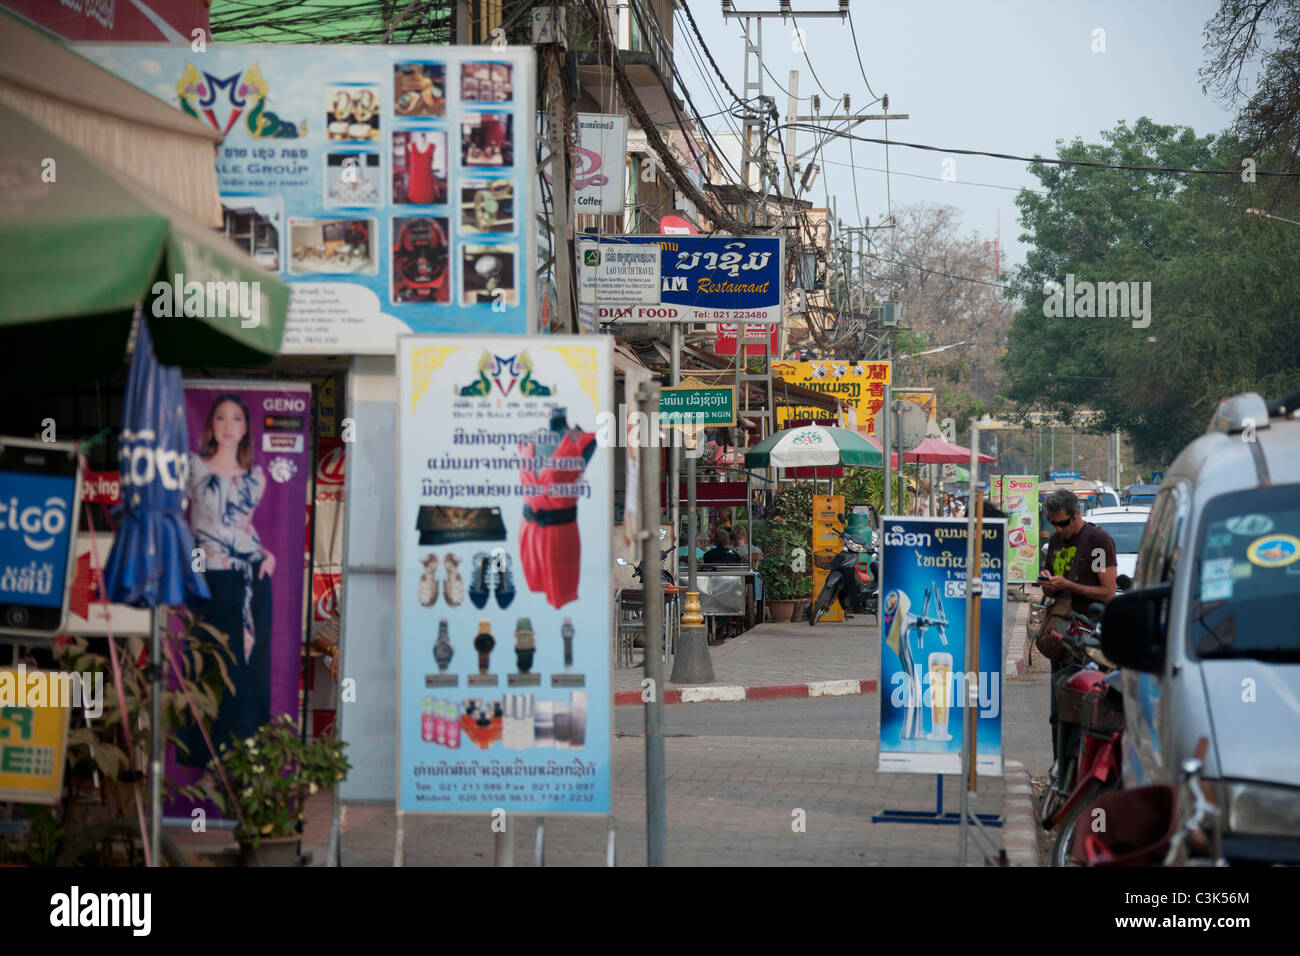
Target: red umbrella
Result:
[[893, 455], [936, 451]]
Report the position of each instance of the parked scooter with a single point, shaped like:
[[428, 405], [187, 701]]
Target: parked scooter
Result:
[[638, 569], [856, 587], [1090, 725]]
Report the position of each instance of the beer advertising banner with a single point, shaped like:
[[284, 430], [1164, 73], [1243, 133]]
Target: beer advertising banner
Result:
[[861, 385], [924, 674], [390, 185], [1017, 495], [505, 490]]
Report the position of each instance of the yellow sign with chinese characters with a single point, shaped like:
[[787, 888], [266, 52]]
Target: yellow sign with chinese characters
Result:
[[33, 743], [859, 385]]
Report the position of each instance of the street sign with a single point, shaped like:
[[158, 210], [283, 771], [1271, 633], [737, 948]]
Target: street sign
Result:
[[693, 403], [1058, 475], [913, 429]]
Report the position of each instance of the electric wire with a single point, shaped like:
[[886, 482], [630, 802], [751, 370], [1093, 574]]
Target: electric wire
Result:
[[704, 46], [1044, 160], [804, 50], [858, 52]]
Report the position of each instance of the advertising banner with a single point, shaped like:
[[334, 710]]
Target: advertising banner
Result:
[[249, 472], [40, 506], [1017, 495], [924, 674], [728, 338], [924, 398], [826, 511], [87, 613], [600, 161], [118, 20], [388, 183], [860, 385], [33, 739], [504, 497], [707, 279]]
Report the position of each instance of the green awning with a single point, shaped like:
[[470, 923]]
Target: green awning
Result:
[[963, 474], [82, 245]]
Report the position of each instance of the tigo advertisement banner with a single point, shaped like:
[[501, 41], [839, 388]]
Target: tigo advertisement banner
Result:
[[924, 674]]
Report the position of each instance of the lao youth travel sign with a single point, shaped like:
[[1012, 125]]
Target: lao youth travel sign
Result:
[[503, 574], [390, 185], [924, 674]]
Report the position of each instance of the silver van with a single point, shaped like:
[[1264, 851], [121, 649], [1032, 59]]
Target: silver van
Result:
[[1209, 637]]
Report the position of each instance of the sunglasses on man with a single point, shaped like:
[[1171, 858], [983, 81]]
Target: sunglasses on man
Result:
[[1065, 523]]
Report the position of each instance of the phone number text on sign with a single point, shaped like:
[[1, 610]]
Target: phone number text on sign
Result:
[[957, 589]]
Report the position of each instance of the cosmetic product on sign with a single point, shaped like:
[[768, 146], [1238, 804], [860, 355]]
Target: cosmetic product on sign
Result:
[[442, 655], [483, 644], [525, 650], [568, 678], [518, 732]]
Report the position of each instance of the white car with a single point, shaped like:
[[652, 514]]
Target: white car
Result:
[[1124, 525]]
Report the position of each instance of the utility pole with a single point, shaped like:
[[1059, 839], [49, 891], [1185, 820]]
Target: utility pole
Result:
[[754, 147], [792, 106], [561, 146]]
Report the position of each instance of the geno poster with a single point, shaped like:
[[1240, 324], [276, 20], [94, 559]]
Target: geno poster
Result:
[[924, 674]]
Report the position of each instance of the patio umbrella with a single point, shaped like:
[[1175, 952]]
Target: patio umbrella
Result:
[[149, 565], [79, 252], [936, 451], [812, 446]]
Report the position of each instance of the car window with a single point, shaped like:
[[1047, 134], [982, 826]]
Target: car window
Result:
[[1127, 535], [1158, 551], [1246, 593], [1108, 500]]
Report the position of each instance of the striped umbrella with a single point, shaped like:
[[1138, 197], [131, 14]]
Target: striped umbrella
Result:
[[813, 446]]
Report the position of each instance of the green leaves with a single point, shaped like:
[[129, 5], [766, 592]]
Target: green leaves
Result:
[[271, 775], [1224, 291]]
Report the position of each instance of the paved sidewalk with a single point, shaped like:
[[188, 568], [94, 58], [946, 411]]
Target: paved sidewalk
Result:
[[780, 655]]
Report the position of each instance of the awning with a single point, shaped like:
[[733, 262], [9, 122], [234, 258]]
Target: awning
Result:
[[78, 254], [106, 117]]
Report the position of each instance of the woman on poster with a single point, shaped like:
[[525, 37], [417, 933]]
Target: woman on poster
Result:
[[225, 489]]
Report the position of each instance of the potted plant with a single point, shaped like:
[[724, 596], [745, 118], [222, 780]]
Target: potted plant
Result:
[[271, 774], [784, 567]]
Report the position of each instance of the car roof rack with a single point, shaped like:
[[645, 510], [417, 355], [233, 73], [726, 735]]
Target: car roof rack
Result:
[[1238, 413]]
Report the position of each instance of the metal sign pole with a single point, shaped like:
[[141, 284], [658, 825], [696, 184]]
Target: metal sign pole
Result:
[[656, 801]]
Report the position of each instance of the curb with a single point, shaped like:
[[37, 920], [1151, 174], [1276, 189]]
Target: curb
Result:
[[702, 695], [1014, 665], [1020, 822]]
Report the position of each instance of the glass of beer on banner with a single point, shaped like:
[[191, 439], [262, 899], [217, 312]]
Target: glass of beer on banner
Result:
[[940, 696]]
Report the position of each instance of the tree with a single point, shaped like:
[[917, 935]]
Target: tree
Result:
[[950, 293], [1223, 292]]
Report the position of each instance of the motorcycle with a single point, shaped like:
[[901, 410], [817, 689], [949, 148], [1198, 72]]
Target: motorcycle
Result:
[[1090, 725], [854, 584], [637, 570]]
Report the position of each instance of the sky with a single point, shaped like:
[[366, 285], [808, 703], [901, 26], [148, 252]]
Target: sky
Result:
[[1008, 77]]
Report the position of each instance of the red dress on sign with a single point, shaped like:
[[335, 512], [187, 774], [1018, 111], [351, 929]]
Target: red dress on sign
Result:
[[419, 174], [549, 547]]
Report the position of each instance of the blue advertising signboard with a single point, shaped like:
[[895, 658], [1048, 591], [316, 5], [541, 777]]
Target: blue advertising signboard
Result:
[[40, 500], [503, 574], [391, 185], [1059, 475], [924, 674], [713, 279]]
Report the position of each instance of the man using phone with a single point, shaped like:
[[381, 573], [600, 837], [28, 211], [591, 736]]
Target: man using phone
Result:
[[1080, 561], [1080, 557]]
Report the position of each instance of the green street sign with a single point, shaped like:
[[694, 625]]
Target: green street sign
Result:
[[694, 403]]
